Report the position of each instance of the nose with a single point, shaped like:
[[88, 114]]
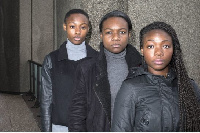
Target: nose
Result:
[[115, 37], [77, 30], [159, 51]]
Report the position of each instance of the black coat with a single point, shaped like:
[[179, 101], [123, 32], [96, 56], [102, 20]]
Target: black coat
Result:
[[148, 103], [91, 102], [57, 84]]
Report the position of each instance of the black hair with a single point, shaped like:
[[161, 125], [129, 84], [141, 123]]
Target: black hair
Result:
[[188, 104], [74, 11], [116, 13]]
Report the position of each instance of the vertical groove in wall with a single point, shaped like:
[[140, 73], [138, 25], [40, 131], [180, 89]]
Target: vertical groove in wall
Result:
[[54, 25], [31, 31]]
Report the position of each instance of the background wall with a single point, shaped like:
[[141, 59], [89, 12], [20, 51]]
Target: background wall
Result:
[[9, 45], [183, 15], [30, 29]]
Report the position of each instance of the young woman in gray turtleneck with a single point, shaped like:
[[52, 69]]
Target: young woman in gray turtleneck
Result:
[[58, 72], [99, 79]]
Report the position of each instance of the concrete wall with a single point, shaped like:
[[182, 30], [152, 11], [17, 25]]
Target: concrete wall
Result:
[[30, 29], [36, 35], [183, 15], [42, 29], [25, 44]]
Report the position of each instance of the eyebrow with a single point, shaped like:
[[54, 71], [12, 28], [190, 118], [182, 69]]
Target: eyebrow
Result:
[[154, 40], [117, 29], [81, 23]]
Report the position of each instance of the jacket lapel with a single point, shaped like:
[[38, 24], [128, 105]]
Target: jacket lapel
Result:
[[102, 86]]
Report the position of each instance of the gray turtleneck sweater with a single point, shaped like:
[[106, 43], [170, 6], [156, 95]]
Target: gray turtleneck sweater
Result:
[[76, 52], [117, 69]]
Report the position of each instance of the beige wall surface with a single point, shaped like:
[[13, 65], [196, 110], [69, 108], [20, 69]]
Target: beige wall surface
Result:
[[36, 35], [47, 33], [183, 15]]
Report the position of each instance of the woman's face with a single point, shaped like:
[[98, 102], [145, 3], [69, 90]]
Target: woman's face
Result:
[[157, 51], [115, 34], [77, 27]]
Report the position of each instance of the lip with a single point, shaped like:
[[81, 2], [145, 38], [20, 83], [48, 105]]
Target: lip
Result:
[[158, 61], [77, 38], [116, 45]]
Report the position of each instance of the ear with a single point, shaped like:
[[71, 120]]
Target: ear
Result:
[[101, 35], [129, 34], [142, 51], [64, 26], [88, 29]]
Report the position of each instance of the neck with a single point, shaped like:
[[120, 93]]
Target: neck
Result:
[[113, 55], [163, 72]]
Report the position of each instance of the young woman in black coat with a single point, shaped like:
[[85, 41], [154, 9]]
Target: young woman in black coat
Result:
[[58, 72], [99, 79], [158, 96]]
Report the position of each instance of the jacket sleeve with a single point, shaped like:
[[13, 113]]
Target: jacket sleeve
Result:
[[124, 110], [78, 108], [46, 96]]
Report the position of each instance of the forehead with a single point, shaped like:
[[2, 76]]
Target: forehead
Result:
[[115, 21], [77, 17], [158, 33]]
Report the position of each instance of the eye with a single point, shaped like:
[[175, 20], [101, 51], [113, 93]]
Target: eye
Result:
[[166, 46], [108, 32], [83, 28], [72, 27], [122, 32], [150, 46]]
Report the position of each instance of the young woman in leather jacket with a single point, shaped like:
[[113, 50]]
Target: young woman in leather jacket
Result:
[[158, 96], [58, 72], [99, 79]]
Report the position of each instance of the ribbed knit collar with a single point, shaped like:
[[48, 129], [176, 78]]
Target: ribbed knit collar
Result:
[[78, 48]]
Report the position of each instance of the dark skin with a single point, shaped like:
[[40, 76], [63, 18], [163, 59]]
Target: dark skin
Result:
[[157, 51], [115, 34], [77, 27]]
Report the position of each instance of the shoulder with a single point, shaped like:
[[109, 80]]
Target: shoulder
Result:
[[87, 64], [131, 49], [90, 51], [137, 81], [54, 53], [133, 57]]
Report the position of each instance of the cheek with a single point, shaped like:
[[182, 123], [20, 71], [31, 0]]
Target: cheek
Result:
[[148, 54], [70, 32], [168, 52], [106, 39], [169, 55]]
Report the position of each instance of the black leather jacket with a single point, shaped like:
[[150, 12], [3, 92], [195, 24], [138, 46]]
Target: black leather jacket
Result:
[[148, 102], [57, 84], [91, 102]]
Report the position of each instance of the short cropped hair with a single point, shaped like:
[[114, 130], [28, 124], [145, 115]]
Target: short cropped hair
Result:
[[116, 13], [74, 11]]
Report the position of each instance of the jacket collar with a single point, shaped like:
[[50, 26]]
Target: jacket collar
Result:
[[138, 71], [133, 59], [62, 52]]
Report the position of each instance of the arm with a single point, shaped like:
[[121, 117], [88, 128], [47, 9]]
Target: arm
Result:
[[124, 110], [78, 109], [46, 96]]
